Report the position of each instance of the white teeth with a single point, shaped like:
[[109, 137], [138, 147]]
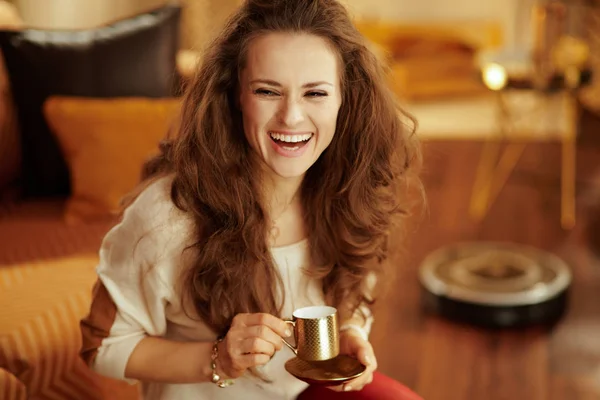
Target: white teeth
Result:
[[290, 138]]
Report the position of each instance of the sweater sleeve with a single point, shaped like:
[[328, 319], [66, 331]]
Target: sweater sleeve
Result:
[[129, 298], [364, 310]]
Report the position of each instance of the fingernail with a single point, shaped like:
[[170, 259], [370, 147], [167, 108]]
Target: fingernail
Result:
[[288, 332], [347, 388], [368, 360]]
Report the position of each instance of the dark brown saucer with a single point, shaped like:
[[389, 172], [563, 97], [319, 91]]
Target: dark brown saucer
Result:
[[325, 373]]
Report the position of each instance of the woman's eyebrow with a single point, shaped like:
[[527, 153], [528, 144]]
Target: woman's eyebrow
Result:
[[277, 84]]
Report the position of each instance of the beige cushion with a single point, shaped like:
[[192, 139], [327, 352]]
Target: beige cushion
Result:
[[82, 14]]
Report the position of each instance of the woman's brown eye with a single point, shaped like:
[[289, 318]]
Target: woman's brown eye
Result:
[[265, 92], [316, 94]]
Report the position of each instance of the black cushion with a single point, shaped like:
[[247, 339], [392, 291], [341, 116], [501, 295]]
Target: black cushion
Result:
[[132, 57]]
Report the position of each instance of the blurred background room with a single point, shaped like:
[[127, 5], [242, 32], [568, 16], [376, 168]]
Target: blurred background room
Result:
[[497, 287]]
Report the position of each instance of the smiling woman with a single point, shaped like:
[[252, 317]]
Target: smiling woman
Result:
[[278, 192]]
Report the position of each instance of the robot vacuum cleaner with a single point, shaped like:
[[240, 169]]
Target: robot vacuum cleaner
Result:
[[496, 285]]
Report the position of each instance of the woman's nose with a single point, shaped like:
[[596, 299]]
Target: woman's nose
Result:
[[291, 113]]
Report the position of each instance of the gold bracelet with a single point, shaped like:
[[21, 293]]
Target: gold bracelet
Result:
[[222, 383]]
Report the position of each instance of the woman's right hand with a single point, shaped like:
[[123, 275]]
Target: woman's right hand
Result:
[[252, 340]]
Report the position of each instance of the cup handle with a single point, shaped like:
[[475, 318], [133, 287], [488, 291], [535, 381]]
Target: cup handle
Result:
[[293, 323]]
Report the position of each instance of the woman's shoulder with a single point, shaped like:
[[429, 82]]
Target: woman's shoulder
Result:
[[154, 219], [152, 233], [154, 204], [153, 201]]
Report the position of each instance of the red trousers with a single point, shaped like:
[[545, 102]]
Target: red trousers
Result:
[[382, 388]]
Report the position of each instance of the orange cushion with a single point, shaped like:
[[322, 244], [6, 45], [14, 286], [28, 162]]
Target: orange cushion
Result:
[[40, 336], [105, 143]]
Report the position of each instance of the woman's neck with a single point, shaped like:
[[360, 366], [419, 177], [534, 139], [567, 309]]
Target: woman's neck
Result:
[[281, 194], [284, 210]]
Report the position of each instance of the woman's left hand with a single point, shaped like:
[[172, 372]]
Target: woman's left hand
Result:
[[353, 345]]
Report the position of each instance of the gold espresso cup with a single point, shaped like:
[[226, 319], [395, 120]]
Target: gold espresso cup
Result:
[[316, 332]]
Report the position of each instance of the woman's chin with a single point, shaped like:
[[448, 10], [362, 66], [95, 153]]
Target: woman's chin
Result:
[[289, 171]]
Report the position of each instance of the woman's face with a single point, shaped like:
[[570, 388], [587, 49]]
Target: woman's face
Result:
[[290, 97]]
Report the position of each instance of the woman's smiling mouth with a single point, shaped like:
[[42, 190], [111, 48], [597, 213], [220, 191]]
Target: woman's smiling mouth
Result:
[[290, 144]]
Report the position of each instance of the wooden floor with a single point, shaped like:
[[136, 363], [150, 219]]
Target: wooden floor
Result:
[[446, 361]]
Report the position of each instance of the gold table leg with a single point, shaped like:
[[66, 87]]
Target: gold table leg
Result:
[[568, 167], [483, 179], [508, 162], [492, 175], [495, 166]]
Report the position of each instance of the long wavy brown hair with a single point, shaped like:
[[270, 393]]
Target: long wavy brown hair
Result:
[[351, 195]]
